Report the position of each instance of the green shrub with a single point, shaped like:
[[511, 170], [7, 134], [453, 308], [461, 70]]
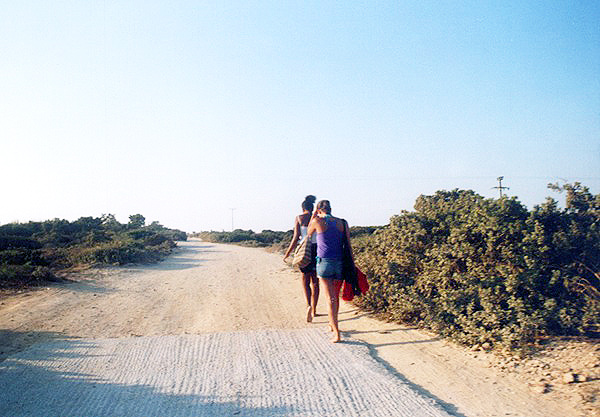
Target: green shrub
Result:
[[140, 234], [11, 275], [249, 238], [18, 242], [28, 250], [124, 252], [156, 240], [22, 256], [20, 229], [484, 270], [356, 231]]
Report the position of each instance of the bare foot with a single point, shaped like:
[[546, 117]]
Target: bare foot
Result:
[[309, 316], [330, 328], [336, 338]]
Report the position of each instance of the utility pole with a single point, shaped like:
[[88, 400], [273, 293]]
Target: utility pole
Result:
[[500, 187], [232, 209]]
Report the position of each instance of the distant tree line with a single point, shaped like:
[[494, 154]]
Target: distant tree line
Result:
[[32, 252], [247, 237], [278, 240]]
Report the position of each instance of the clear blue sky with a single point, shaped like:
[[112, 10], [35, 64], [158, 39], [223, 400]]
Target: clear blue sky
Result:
[[182, 110]]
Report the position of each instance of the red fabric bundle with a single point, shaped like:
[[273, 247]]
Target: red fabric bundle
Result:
[[347, 291], [363, 284]]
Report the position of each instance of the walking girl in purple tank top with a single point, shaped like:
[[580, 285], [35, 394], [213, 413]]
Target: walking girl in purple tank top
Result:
[[330, 237]]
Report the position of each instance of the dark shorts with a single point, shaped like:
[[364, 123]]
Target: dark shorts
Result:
[[312, 266], [329, 268]]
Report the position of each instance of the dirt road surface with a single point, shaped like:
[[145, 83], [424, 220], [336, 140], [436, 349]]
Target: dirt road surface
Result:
[[220, 330]]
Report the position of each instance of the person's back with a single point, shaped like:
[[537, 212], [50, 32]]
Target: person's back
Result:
[[329, 242], [304, 219], [331, 235], [309, 271]]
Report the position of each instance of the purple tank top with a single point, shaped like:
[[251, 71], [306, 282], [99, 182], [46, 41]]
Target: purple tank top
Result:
[[329, 243]]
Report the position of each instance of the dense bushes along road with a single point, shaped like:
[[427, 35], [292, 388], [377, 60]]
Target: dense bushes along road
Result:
[[31, 252], [488, 271], [480, 271]]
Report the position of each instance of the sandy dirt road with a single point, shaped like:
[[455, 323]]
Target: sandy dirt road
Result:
[[208, 295]]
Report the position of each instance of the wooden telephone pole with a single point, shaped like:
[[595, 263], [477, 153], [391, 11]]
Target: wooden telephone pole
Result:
[[500, 187], [232, 209]]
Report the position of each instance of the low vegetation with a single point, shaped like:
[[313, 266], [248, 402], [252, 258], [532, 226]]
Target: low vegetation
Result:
[[248, 237], [489, 271], [31, 253]]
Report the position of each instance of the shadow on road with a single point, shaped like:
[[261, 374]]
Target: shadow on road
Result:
[[449, 408], [86, 286], [410, 342], [206, 246], [12, 341], [37, 382], [173, 263], [387, 331]]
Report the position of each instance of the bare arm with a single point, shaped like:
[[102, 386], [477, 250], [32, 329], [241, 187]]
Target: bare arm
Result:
[[312, 226], [294, 241]]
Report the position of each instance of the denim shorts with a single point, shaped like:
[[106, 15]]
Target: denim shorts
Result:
[[329, 268]]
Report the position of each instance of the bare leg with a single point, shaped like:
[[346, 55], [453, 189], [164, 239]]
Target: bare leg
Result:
[[315, 292], [337, 286], [332, 292], [306, 279]]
